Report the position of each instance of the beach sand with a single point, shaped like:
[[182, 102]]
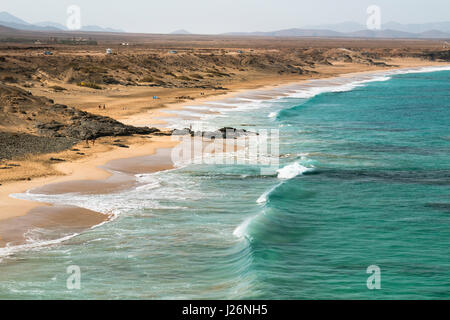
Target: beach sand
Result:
[[85, 176], [49, 223], [92, 173]]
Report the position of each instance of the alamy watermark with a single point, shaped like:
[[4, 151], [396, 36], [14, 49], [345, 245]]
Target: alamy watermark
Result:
[[374, 19], [374, 280], [228, 146], [73, 282], [74, 17]]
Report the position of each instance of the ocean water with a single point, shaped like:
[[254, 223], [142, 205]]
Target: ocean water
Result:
[[364, 179]]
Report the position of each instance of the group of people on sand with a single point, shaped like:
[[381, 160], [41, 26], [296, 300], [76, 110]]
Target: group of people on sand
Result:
[[100, 107]]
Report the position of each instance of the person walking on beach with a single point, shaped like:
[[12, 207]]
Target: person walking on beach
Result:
[[89, 136]]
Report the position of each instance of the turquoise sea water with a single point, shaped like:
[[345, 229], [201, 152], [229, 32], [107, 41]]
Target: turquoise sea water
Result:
[[376, 192]]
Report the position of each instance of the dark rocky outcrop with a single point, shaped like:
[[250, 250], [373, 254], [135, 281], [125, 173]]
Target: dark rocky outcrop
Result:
[[222, 133], [34, 125], [83, 125], [13, 145]]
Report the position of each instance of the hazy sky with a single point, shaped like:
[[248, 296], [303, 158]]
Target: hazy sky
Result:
[[217, 16]]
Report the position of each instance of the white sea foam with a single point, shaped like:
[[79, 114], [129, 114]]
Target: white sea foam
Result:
[[9, 250], [419, 70], [292, 170], [273, 114], [154, 191], [263, 198], [241, 104], [288, 172], [33, 243], [241, 230], [310, 92]]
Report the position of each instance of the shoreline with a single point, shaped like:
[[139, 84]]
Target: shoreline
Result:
[[94, 174], [140, 118]]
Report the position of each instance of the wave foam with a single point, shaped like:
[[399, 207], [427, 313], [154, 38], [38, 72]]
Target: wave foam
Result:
[[314, 91], [419, 70], [263, 198], [292, 170], [32, 244], [241, 230]]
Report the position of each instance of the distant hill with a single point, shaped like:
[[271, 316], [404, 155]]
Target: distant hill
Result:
[[418, 28], [388, 33], [29, 27], [4, 29], [438, 30], [434, 34], [51, 24], [295, 32], [381, 34], [343, 27], [100, 29], [349, 26], [181, 31], [362, 33], [8, 20]]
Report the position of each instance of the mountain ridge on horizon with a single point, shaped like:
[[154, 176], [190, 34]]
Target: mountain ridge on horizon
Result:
[[351, 26], [11, 21], [434, 30], [387, 33], [391, 29], [180, 31]]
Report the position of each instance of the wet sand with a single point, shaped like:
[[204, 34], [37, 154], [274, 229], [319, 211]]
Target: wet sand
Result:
[[56, 222], [122, 175], [48, 223]]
